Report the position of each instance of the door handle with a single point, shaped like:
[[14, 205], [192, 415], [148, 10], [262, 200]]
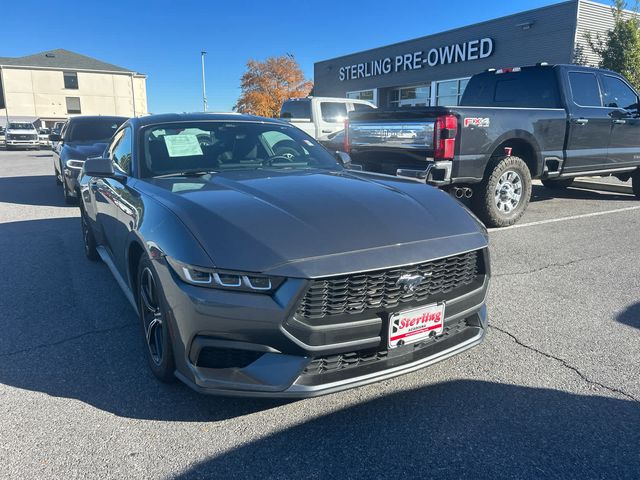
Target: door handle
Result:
[[580, 121], [327, 131], [619, 121]]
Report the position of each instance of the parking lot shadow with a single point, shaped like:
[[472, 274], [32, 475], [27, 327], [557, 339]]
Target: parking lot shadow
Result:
[[630, 315], [540, 193], [453, 430], [31, 190], [68, 331]]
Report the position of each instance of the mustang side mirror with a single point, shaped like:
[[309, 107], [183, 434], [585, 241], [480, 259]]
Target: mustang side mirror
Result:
[[55, 137], [98, 167]]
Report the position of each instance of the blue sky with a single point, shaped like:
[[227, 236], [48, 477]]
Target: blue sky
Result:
[[163, 38]]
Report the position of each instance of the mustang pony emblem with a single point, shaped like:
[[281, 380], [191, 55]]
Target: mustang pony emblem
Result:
[[409, 283]]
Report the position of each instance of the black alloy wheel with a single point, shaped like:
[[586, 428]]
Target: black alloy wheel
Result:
[[153, 317]]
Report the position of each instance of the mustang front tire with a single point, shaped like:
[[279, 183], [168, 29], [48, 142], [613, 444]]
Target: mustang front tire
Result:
[[503, 196], [152, 312]]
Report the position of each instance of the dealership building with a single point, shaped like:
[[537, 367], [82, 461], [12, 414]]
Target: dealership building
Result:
[[51, 86], [435, 69]]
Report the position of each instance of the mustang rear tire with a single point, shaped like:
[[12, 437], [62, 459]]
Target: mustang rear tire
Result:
[[153, 315], [503, 196], [635, 183], [558, 184]]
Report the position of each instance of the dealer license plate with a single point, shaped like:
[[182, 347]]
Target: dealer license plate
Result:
[[416, 324]]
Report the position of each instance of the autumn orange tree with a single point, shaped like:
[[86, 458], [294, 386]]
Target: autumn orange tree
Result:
[[266, 85]]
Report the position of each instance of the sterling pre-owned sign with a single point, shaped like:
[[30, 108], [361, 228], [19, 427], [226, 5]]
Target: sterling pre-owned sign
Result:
[[459, 52]]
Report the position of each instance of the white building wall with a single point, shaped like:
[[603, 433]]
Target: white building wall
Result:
[[41, 93]]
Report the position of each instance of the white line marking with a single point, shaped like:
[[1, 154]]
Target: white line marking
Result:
[[564, 219]]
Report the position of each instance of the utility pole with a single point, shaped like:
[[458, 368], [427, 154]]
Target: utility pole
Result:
[[204, 87]]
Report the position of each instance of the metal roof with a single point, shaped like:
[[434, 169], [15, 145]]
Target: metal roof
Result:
[[63, 60]]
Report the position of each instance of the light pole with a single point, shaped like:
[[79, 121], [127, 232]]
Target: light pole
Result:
[[204, 87]]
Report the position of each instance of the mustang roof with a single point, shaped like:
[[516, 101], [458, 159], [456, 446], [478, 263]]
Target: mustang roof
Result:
[[199, 117]]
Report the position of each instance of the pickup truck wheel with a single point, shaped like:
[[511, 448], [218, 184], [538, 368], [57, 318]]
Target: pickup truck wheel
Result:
[[89, 240], [635, 183], [503, 196], [558, 184], [68, 199]]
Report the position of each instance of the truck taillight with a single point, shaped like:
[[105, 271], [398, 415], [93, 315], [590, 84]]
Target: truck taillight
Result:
[[345, 142], [444, 137]]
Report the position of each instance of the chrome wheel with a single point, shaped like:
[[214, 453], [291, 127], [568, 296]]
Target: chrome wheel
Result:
[[151, 315], [508, 191]]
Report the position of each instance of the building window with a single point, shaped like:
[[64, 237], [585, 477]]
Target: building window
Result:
[[449, 92], [71, 80], [368, 95], [73, 105], [418, 96]]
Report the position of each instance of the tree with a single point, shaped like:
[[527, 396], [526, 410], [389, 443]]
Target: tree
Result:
[[266, 85], [620, 49]]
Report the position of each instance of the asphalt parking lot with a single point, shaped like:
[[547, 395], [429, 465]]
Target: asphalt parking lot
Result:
[[554, 391]]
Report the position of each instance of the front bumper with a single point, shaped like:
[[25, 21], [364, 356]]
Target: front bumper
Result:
[[255, 355], [22, 143]]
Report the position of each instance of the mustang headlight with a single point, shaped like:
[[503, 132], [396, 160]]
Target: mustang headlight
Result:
[[225, 279]]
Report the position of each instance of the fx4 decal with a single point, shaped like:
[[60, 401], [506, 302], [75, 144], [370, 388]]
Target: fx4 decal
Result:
[[476, 122]]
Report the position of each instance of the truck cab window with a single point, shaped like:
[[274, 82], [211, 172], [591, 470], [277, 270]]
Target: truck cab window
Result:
[[617, 94], [333, 112], [584, 89], [296, 109]]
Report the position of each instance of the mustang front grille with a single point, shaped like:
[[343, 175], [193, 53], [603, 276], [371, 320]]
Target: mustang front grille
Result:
[[353, 294]]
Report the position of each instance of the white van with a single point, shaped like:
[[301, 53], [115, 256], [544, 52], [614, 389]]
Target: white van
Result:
[[321, 116]]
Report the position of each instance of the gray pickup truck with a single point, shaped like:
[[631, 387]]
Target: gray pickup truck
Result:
[[514, 124]]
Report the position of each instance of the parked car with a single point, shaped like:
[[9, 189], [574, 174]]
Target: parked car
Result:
[[21, 135], [80, 138], [2, 135], [262, 274], [321, 116], [514, 124], [43, 137]]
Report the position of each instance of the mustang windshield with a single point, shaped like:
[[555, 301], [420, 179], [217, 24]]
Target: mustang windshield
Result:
[[213, 146]]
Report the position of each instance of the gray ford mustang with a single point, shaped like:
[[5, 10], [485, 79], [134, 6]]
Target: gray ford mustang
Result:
[[261, 265]]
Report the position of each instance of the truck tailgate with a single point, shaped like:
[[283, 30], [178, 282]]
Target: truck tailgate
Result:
[[385, 141]]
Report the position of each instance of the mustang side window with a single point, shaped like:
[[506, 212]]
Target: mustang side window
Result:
[[121, 153]]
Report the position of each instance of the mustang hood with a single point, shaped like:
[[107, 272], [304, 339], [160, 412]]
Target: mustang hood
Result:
[[317, 223]]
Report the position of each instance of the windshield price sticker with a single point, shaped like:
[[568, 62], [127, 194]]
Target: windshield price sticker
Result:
[[182, 145]]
